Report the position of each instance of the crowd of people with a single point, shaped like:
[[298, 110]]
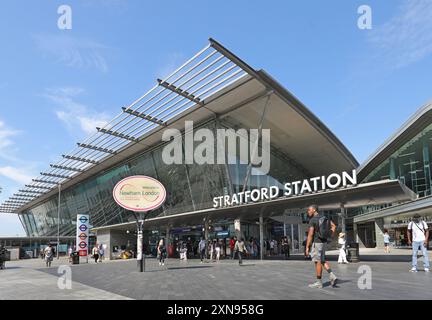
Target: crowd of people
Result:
[[321, 232], [217, 249]]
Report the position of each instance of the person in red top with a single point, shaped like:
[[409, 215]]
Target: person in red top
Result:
[[232, 245]]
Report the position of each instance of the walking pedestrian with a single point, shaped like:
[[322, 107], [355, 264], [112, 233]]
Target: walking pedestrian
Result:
[[101, 252], [321, 229], [231, 246], [95, 253], [418, 236], [183, 252], [240, 248], [217, 249], [211, 250], [161, 252], [255, 248], [272, 247], [386, 241], [285, 247], [70, 251], [202, 249], [342, 249], [49, 255], [251, 248]]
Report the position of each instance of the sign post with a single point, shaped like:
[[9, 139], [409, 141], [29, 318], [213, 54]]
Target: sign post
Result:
[[82, 235], [139, 194]]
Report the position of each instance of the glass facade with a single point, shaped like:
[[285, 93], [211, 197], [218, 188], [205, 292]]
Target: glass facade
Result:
[[410, 164], [189, 188]]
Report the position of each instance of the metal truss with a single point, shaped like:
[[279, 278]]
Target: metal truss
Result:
[[187, 88]]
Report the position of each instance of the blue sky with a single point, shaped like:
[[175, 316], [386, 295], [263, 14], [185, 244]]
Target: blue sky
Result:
[[57, 85]]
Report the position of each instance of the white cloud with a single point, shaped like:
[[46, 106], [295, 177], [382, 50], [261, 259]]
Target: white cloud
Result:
[[6, 141], [15, 174], [72, 51], [10, 225], [407, 37], [173, 61], [73, 114]]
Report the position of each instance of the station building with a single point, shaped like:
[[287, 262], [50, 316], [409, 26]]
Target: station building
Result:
[[217, 90], [405, 156]]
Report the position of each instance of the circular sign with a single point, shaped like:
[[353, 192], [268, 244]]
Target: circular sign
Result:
[[83, 236], [83, 245], [139, 193], [83, 228], [83, 219]]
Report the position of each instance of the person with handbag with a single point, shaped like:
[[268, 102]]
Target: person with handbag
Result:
[[418, 236], [95, 253]]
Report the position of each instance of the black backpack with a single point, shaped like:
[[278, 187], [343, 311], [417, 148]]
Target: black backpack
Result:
[[324, 229]]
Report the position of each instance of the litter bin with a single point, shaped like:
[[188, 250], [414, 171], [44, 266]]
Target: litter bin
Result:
[[353, 252], [75, 257]]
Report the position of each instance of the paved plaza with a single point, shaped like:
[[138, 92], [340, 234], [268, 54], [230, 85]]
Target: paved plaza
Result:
[[225, 280]]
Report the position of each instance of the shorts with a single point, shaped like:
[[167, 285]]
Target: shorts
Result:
[[386, 244], [318, 252]]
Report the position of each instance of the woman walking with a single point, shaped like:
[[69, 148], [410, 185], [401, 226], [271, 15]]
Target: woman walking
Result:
[[386, 241], [49, 255], [95, 253], [161, 251], [217, 245], [342, 246]]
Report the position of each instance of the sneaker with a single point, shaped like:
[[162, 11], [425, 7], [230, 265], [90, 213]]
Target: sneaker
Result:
[[413, 269], [163, 263], [316, 285], [333, 279], [160, 263], [426, 270]]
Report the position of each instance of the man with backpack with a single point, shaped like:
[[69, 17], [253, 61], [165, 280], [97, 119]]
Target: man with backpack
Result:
[[321, 230], [418, 236]]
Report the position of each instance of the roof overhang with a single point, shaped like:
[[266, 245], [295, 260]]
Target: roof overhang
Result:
[[421, 206], [380, 192], [294, 129], [416, 123]]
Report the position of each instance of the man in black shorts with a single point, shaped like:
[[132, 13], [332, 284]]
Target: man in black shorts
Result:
[[318, 245]]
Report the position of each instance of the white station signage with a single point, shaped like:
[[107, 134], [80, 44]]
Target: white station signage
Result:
[[306, 186]]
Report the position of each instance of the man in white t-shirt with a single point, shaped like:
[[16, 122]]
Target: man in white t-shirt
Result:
[[418, 235]]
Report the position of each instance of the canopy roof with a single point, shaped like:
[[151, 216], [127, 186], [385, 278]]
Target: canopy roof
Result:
[[386, 191], [213, 83]]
